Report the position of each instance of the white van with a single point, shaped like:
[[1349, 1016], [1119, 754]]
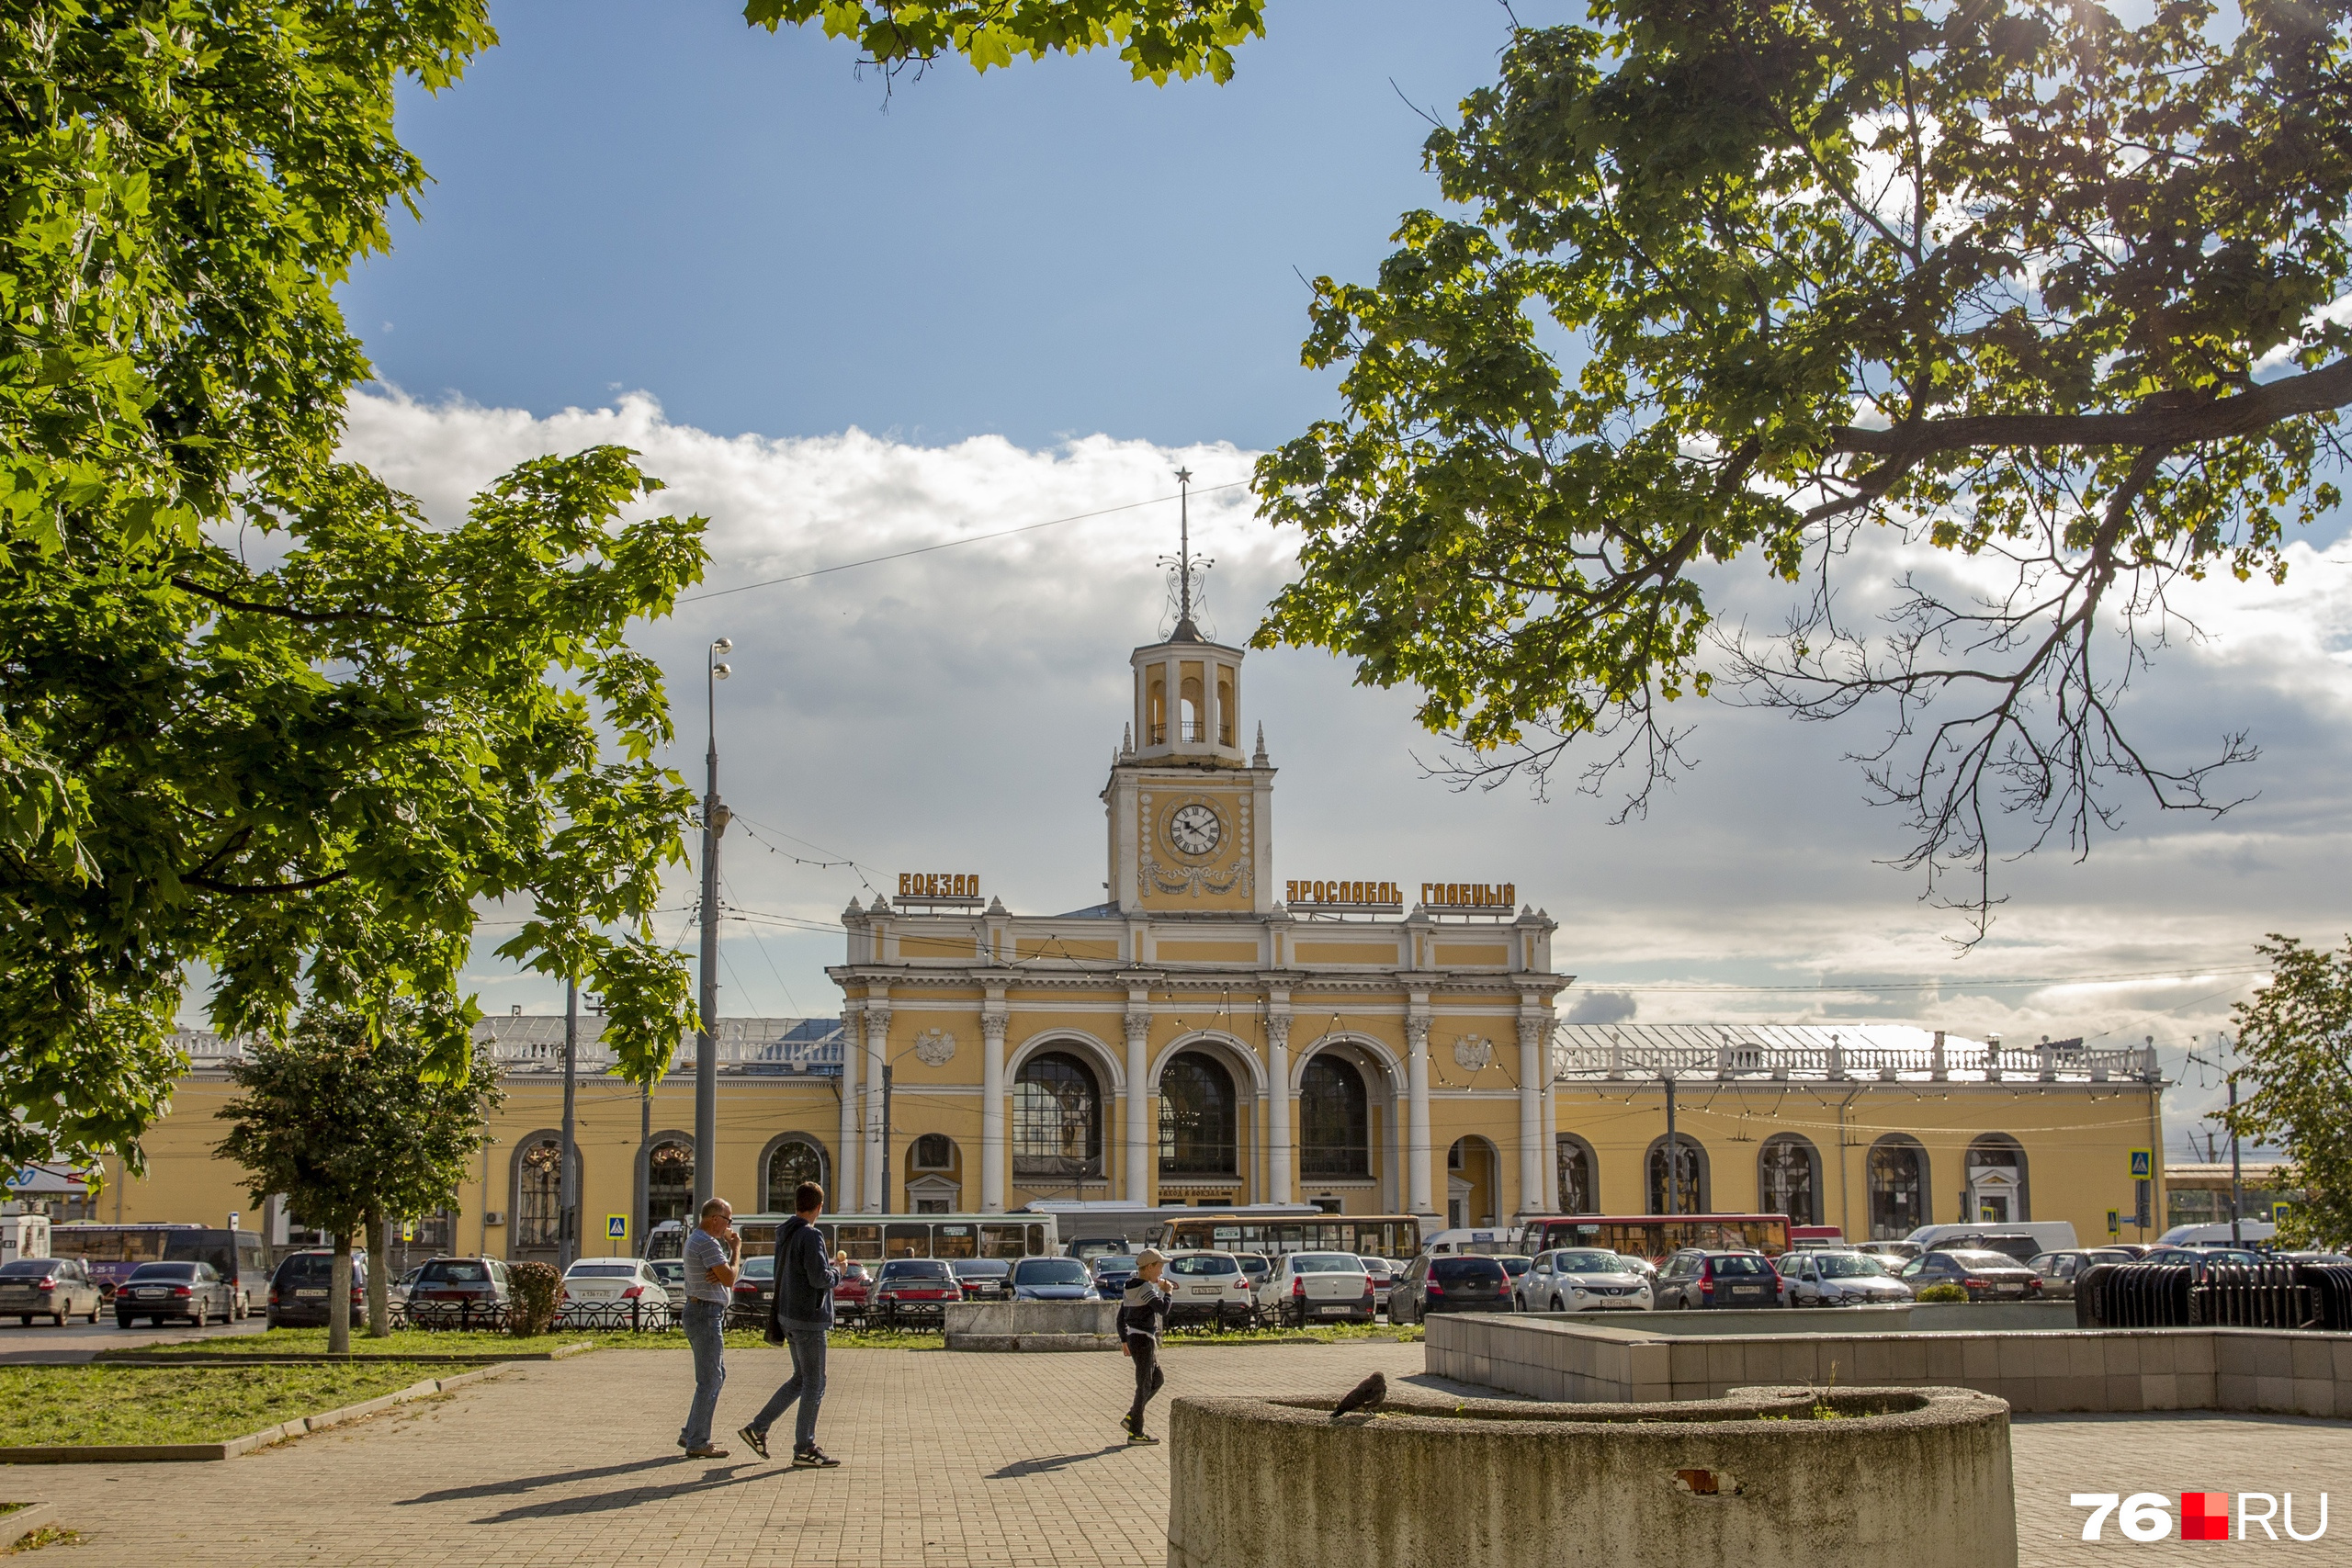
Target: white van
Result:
[[2054, 1235], [23, 1235], [2251, 1231], [1495, 1242]]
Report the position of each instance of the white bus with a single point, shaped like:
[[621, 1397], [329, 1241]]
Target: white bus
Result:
[[875, 1238]]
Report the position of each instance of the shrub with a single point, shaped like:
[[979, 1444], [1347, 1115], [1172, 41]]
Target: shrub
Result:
[[1944, 1293], [538, 1292]]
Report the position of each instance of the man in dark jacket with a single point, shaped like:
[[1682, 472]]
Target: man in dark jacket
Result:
[[799, 1313]]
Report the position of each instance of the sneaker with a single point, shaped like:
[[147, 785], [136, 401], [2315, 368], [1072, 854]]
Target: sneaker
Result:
[[706, 1451], [1137, 1440], [756, 1441], [814, 1458]]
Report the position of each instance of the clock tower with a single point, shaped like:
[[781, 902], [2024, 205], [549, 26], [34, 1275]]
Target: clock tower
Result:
[[1191, 813]]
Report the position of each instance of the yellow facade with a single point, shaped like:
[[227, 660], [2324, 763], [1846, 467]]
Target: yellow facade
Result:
[[1212, 1035]]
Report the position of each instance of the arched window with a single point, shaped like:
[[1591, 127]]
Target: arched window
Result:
[[1998, 1191], [1689, 1193], [538, 1194], [1334, 1119], [1898, 1187], [669, 1182], [1578, 1194], [1056, 1119], [1788, 1178], [935, 1151], [1196, 1118], [793, 1161]]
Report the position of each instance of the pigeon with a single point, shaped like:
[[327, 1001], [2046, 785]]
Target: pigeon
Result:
[[1366, 1397]]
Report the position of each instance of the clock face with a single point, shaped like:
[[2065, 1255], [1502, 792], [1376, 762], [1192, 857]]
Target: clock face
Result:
[[1194, 829]]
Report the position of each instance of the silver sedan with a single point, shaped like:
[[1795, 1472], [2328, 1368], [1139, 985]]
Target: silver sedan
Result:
[[1838, 1278], [54, 1288]]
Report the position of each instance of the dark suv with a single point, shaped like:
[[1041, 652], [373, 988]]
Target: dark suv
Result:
[[459, 1293], [1695, 1278], [1448, 1282], [298, 1291]]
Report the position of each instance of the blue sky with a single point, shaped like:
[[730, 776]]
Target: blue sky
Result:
[[633, 195], [1037, 292]]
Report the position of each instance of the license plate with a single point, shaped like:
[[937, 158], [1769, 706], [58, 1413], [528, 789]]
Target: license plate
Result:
[[1748, 1290], [310, 1293], [1335, 1309], [148, 1292], [2011, 1289]]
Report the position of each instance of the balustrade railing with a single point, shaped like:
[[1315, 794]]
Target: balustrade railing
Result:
[[1864, 1052]]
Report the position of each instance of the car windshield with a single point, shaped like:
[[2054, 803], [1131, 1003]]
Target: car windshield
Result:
[[1051, 1271], [1378, 1267], [455, 1271], [1203, 1263], [164, 1271], [670, 1268], [1460, 1270], [1255, 1263], [309, 1269], [1325, 1263], [900, 1268], [982, 1268], [1114, 1266], [1984, 1260], [18, 1268], [760, 1267], [1589, 1263], [1848, 1266], [1515, 1267], [602, 1271], [1740, 1263]]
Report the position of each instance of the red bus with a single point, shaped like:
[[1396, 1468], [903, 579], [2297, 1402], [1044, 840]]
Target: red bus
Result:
[[1653, 1236]]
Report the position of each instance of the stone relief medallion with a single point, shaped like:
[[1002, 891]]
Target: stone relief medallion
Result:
[[934, 1047], [1473, 1051]]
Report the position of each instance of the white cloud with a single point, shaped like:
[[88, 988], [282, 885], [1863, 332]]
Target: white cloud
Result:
[[957, 711]]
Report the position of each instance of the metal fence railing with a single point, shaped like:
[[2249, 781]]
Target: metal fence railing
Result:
[[2223, 1295]]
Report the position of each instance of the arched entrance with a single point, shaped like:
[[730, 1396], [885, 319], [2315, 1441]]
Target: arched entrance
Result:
[[1898, 1187], [1473, 1183]]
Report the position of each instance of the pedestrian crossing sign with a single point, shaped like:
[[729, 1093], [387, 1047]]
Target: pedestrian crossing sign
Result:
[[617, 1227], [2143, 1165]]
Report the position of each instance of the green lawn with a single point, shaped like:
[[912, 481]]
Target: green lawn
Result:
[[179, 1405], [400, 1342]]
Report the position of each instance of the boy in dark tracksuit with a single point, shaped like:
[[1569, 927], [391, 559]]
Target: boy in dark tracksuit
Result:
[[1143, 1312]]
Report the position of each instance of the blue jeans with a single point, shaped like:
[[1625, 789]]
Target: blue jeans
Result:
[[807, 1386], [706, 1331]]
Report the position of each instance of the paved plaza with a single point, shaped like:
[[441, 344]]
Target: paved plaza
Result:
[[947, 1458]]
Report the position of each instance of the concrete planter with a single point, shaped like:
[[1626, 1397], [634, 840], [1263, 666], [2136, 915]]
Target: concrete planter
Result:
[[1753, 1478], [1032, 1326]]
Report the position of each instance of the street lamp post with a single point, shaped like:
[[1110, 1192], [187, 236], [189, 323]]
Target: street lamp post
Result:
[[714, 823], [567, 1224]]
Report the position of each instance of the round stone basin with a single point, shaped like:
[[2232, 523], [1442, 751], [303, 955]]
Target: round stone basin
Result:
[[1762, 1477]]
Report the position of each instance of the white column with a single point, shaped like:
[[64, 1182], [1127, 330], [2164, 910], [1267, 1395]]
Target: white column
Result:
[[1175, 678], [1209, 714], [1551, 1127], [1531, 1114], [1278, 1108], [1138, 1190], [991, 1111], [1417, 1087], [877, 1055], [845, 1192]]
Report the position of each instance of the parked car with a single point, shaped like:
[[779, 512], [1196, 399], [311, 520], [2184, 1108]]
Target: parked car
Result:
[[2059, 1270], [2007, 1235], [619, 1291], [54, 1288], [1256, 1265], [452, 1292], [1898, 1251], [1320, 1286], [299, 1289], [1516, 1265], [1985, 1275], [1697, 1277], [400, 1288], [981, 1278], [671, 1272], [2201, 1258], [1384, 1279], [1581, 1279], [1453, 1281], [1111, 1272], [747, 1298], [161, 1292], [1209, 1286], [1087, 1248], [853, 1295], [917, 1289], [1052, 1280], [1838, 1278], [2336, 1258]]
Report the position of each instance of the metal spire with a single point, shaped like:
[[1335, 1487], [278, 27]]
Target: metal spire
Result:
[[1184, 562]]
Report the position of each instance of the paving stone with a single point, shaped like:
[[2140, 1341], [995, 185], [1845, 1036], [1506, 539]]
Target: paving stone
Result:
[[947, 1458]]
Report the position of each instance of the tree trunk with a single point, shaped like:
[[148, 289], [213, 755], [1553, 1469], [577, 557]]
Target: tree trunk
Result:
[[379, 1275], [339, 1298]]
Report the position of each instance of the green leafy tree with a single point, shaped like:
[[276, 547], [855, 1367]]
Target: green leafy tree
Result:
[[2039, 293], [2295, 1039], [256, 711], [346, 1118], [1158, 39]]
